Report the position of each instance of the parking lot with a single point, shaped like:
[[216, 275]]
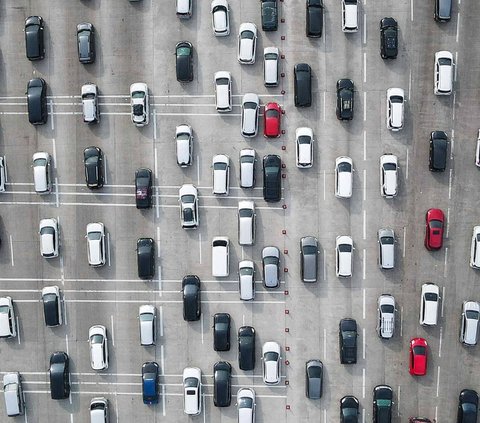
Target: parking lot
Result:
[[135, 42]]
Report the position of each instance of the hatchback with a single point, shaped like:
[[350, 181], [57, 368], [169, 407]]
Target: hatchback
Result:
[[388, 175], [247, 168], [246, 280], [272, 178], [147, 316], [247, 43], [96, 244], [99, 410], [344, 256], [183, 9], [222, 384], [314, 379], [143, 188], [271, 360], [250, 113], [246, 405], [42, 172], [37, 101], [302, 85], [418, 357], [386, 248], [93, 163], [223, 91], [388, 38], [139, 103], [146, 258], [270, 66], [443, 73], [8, 322], [191, 298], [271, 267], [349, 406], [184, 61], [271, 120], [246, 222], [246, 348], [269, 14], [467, 406], [438, 151], [48, 231], [86, 42], [345, 99], [314, 18], [349, 15], [304, 147], [150, 372], [221, 332], [91, 112], [59, 373], [434, 223], [386, 316], [469, 323], [184, 145], [52, 306], [429, 304], [395, 108], [221, 174], [343, 177], [188, 198], [309, 258], [192, 391], [97, 339], [34, 44], [443, 10], [220, 18]]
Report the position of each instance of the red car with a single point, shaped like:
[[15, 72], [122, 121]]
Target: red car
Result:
[[418, 357], [434, 222], [271, 120]]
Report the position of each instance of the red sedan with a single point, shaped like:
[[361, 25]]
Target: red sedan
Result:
[[271, 120], [434, 222], [418, 357]]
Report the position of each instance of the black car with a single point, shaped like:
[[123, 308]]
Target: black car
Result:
[[269, 10], [222, 388], [382, 404], [191, 298], [143, 188], [438, 151], [93, 161], [221, 332], [59, 375], [314, 19], [37, 101], [388, 38], [145, 258], [150, 372], [349, 409], [302, 85], [246, 348], [35, 48], [314, 379], [345, 98], [467, 406], [184, 62], [86, 42], [52, 308], [347, 338], [443, 10], [272, 178]]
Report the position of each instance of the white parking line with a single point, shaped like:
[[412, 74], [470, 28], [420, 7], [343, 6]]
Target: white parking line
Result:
[[71, 414], [364, 28], [324, 267], [25, 416], [410, 85], [198, 169], [440, 342], [364, 144], [65, 314], [363, 383], [401, 321], [108, 248], [436, 411], [158, 241], [458, 27], [116, 405], [364, 344], [455, 67], [155, 161], [438, 380], [364, 224], [164, 412], [324, 185], [364, 262], [411, 10], [155, 127], [364, 106], [398, 400], [406, 166], [160, 288], [450, 185], [201, 325], [18, 330], [443, 301], [161, 321], [157, 203], [105, 170], [454, 103], [66, 343], [204, 413], [404, 240], [11, 250], [364, 184], [112, 330], [448, 222], [54, 150], [324, 415], [445, 264], [162, 360], [324, 344], [364, 301], [364, 67], [200, 247], [324, 106], [52, 124], [452, 143], [57, 198], [363, 415]]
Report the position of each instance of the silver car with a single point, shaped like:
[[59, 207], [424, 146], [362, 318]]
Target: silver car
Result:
[[247, 43], [271, 267], [188, 197], [469, 326], [309, 258], [386, 248]]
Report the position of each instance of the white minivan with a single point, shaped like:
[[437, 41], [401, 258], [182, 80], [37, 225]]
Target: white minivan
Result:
[[221, 174], [246, 222], [220, 256]]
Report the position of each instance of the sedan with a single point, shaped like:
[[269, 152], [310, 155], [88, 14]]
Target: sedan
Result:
[[188, 198], [93, 161], [388, 38], [434, 223], [247, 168], [347, 337], [143, 188], [309, 258], [52, 306], [271, 360], [96, 244], [314, 379], [246, 348], [59, 375], [247, 43], [146, 258], [184, 62], [349, 409], [314, 18], [222, 384], [418, 357], [97, 340], [34, 44], [304, 147], [48, 231], [271, 267], [86, 42], [467, 406], [250, 113], [272, 178], [220, 18], [191, 298], [184, 145], [150, 371], [345, 97], [271, 120], [269, 13], [382, 404], [139, 103], [221, 332]]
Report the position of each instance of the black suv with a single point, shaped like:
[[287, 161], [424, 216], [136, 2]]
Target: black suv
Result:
[[145, 258], [269, 10], [222, 389], [467, 406], [347, 338], [221, 332], [86, 42], [272, 178], [382, 404], [345, 97], [388, 38], [438, 151], [314, 18], [349, 409], [93, 161], [302, 85], [34, 45], [184, 62], [143, 188], [246, 348], [191, 298], [37, 101], [59, 375]]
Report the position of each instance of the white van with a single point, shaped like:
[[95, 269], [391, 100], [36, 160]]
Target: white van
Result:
[[349, 15], [443, 73], [13, 394], [469, 325], [223, 91], [99, 410], [246, 222], [221, 174], [91, 113], [147, 316], [344, 256], [429, 301], [270, 66], [220, 256], [42, 173], [343, 177]]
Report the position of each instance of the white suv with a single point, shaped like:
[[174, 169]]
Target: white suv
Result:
[[388, 175], [429, 301], [304, 147], [250, 112], [221, 174], [443, 73], [97, 339], [247, 43], [469, 325], [192, 391], [344, 256], [8, 324], [271, 363], [246, 280], [395, 108], [48, 231], [96, 244]]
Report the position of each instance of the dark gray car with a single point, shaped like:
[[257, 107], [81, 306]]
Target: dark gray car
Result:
[[314, 379], [309, 258], [86, 42], [271, 267]]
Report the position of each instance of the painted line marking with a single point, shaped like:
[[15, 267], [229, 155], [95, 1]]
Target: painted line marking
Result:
[[57, 196], [108, 248], [364, 28], [410, 85], [200, 247], [324, 185], [458, 26], [324, 344], [18, 330], [364, 145], [105, 170], [154, 126], [364, 67], [364, 224], [455, 67], [112, 330], [198, 169], [452, 143], [443, 301], [404, 240], [445, 268], [448, 222], [363, 383], [364, 184], [162, 360], [411, 10], [398, 397], [440, 343], [454, 103], [54, 148], [364, 106], [364, 344], [160, 290], [364, 262], [163, 400], [450, 185], [401, 321], [324, 106], [406, 166], [201, 325], [52, 124], [364, 302], [11, 250], [438, 380], [324, 267], [161, 320], [157, 203], [158, 241], [66, 343]]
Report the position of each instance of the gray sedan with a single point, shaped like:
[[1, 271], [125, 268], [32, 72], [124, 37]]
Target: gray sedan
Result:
[[314, 379], [309, 258], [271, 267]]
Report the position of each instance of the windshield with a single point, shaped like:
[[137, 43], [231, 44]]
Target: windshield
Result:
[[389, 166]]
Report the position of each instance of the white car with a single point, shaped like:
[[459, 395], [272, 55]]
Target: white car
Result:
[[220, 18], [223, 91], [388, 175], [3, 174], [139, 103], [183, 9], [96, 244], [97, 339], [247, 43], [469, 325], [188, 198], [48, 231], [344, 256], [192, 391], [246, 405], [8, 324], [221, 174], [477, 151], [271, 363], [91, 113], [304, 147], [395, 108], [429, 304], [250, 112], [343, 177], [42, 169], [247, 168], [147, 316], [271, 57], [184, 145], [475, 248], [443, 73], [246, 222], [246, 280], [386, 316]]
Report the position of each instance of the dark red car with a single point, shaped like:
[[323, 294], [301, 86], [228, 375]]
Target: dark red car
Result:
[[418, 357], [271, 120], [434, 223]]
